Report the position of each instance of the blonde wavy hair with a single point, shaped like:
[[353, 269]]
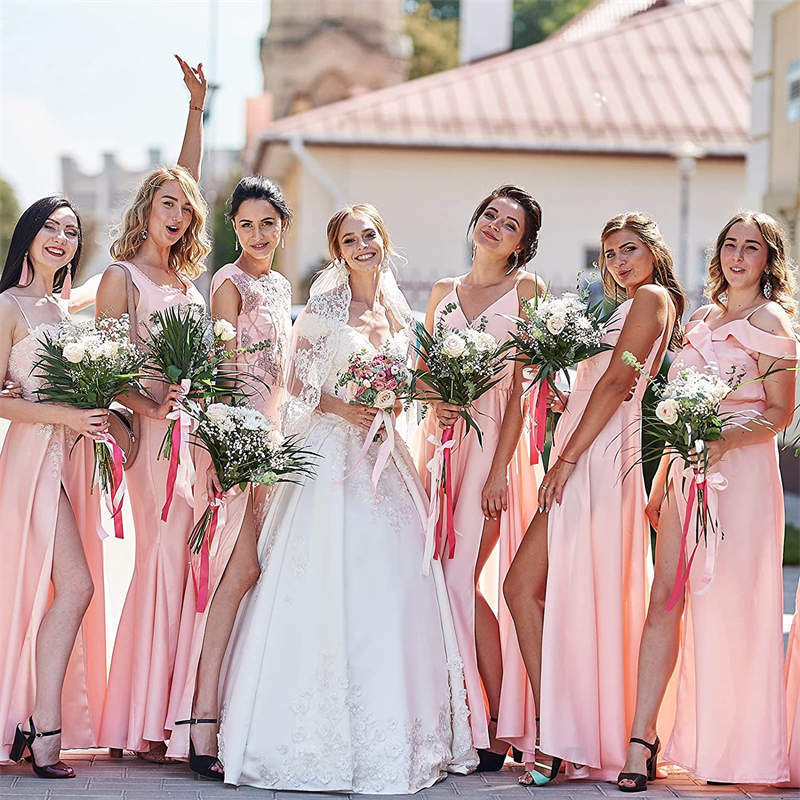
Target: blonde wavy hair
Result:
[[360, 210], [647, 230], [782, 270], [188, 253]]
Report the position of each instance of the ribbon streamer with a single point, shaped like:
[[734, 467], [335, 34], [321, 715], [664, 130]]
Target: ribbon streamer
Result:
[[538, 421], [117, 496], [441, 499], [385, 418], [181, 475], [215, 516]]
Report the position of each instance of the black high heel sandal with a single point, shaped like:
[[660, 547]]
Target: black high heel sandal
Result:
[[637, 778], [24, 740], [200, 764], [543, 773], [488, 760]]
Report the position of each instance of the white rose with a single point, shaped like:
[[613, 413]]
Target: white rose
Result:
[[110, 349], [275, 438], [556, 323], [667, 411], [453, 345], [385, 399], [486, 342], [224, 330], [252, 421], [217, 411], [351, 391], [74, 352]]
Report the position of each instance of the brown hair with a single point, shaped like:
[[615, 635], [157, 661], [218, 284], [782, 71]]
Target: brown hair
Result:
[[187, 254], [360, 210], [647, 230], [533, 220], [779, 262]]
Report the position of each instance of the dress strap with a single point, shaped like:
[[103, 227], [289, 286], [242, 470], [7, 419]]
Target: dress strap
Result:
[[758, 308], [22, 311]]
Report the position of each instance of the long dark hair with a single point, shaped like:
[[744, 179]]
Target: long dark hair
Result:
[[28, 225], [257, 187]]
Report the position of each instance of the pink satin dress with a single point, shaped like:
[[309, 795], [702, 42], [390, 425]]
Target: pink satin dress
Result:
[[142, 664], [730, 723], [37, 462], [598, 581], [471, 464], [793, 695], [266, 305]]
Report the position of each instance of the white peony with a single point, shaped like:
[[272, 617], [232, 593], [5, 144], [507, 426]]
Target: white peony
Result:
[[74, 352], [385, 399], [556, 323], [217, 411], [224, 330], [253, 420], [667, 411], [453, 345]]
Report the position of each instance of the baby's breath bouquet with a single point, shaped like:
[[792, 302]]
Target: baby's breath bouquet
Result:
[[245, 447], [89, 365], [552, 335], [187, 347]]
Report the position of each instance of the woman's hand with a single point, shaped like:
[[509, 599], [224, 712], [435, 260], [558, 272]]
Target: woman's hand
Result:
[[11, 389], [361, 416], [653, 508], [556, 400], [212, 483], [168, 404], [714, 452], [551, 491], [195, 82], [90, 422], [446, 413], [494, 497]]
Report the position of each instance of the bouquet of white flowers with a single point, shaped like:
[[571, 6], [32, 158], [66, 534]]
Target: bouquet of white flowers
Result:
[[554, 334], [245, 447], [89, 365]]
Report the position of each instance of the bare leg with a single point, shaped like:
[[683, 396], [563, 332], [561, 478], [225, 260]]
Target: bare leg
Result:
[[660, 639], [487, 636], [240, 575], [72, 593]]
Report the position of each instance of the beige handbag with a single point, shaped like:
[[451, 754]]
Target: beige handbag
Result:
[[123, 424]]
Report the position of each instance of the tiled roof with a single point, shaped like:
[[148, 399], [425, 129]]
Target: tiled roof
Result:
[[676, 74]]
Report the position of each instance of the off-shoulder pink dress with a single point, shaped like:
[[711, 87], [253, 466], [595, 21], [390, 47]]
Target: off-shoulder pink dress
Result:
[[793, 695], [598, 581], [136, 709], [37, 462], [265, 315], [470, 464], [730, 723]]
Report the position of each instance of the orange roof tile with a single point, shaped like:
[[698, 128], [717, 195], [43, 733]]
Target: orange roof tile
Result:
[[656, 80]]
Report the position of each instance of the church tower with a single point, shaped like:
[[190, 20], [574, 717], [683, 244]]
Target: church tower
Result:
[[320, 51]]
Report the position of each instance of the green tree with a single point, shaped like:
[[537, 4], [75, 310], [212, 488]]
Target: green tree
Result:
[[9, 214], [435, 39], [535, 20], [224, 251]]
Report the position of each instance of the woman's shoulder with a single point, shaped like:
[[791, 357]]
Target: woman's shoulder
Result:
[[772, 318], [441, 289], [530, 285], [651, 295]]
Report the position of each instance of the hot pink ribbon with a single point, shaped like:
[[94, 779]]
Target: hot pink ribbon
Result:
[[441, 501], [385, 418], [181, 475], [218, 507], [709, 485], [115, 499]]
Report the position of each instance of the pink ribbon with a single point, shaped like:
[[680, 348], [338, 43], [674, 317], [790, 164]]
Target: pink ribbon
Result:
[[441, 500], [385, 418], [708, 485], [218, 508], [538, 420], [181, 475], [115, 499]]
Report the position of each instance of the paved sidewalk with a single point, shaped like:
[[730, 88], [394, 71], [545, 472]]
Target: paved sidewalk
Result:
[[132, 779]]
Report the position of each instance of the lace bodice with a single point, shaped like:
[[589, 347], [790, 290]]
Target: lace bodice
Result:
[[351, 341], [22, 358]]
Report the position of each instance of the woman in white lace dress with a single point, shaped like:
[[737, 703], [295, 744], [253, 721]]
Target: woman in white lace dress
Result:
[[343, 672]]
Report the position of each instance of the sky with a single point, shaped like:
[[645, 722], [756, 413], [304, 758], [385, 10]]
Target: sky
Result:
[[86, 77]]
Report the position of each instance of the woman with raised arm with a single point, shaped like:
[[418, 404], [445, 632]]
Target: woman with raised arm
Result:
[[51, 572], [343, 673], [730, 723], [587, 549], [257, 301], [494, 485], [160, 249]]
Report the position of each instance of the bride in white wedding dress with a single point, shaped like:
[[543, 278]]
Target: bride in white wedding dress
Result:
[[343, 672]]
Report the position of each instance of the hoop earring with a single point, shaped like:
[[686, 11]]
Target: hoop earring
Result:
[[766, 287], [24, 275], [144, 233]]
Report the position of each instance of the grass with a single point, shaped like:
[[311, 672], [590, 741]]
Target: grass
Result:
[[791, 545]]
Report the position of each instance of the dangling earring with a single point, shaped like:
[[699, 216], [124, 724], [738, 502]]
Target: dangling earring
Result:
[[183, 244], [766, 287], [66, 287], [283, 242], [473, 249], [144, 233], [236, 243], [24, 275], [515, 265]]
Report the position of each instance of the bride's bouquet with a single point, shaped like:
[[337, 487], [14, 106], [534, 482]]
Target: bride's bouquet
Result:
[[687, 414], [244, 447], [378, 381], [554, 334], [89, 365], [186, 346], [460, 367]]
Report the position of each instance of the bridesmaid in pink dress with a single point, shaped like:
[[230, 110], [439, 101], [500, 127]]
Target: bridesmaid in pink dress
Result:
[[793, 695], [52, 622], [730, 723], [578, 586], [494, 485], [257, 301]]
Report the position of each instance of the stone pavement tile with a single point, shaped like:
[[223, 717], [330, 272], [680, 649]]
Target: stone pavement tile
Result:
[[178, 794]]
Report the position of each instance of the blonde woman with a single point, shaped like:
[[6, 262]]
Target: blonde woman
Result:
[[730, 723]]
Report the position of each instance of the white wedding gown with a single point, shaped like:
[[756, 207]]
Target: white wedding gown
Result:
[[343, 672]]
